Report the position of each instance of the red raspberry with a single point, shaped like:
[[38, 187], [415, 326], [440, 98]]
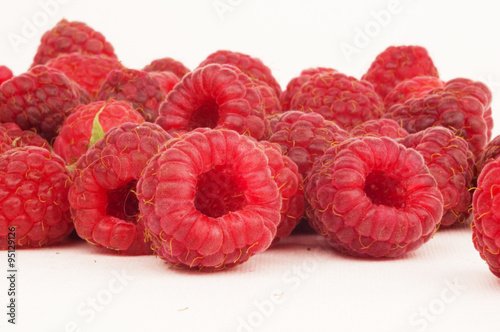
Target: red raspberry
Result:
[[253, 67], [304, 137], [209, 200], [103, 196], [74, 138], [397, 64], [33, 197], [137, 87], [373, 197], [486, 224], [168, 64], [71, 37], [88, 71], [416, 87], [379, 128], [214, 96], [11, 136], [450, 162], [490, 153], [270, 101], [5, 74], [30, 138], [295, 83], [166, 79], [38, 100], [339, 98], [5, 139]]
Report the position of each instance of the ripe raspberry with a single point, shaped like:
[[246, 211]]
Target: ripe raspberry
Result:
[[71, 37], [75, 134], [168, 64], [88, 71], [289, 181], [304, 137], [5, 139], [486, 224], [397, 64], [209, 200], [103, 199], [451, 107], [373, 197], [5, 74], [38, 100], [214, 96], [295, 83], [253, 67], [339, 98], [490, 153], [33, 197], [450, 162], [415, 87], [166, 79], [379, 128], [137, 87], [271, 102]]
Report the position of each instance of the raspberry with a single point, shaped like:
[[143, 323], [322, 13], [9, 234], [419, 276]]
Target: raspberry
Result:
[[71, 37], [304, 137], [166, 79], [11, 136], [373, 197], [453, 107], [88, 71], [415, 87], [339, 98], [378, 128], [253, 67], [397, 64], [214, 96], [5, 74], [103, 202], [75, 135], [137, 87], [33, 197], [38, 100], [295, 83], [450, 162], [209, 200], [167, 64], [5, 139], [271, 102], [490, 153], [486, 223]]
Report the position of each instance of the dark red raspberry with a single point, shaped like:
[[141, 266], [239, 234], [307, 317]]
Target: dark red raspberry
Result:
[[38, 100], [33, 197], [373, 197], [397, 64], [88, 71], [71, 37], [253, 67], [415, 87], [166, 79], [486, 224], [304, 137], [209, 200], [295, 83], [137, 87], [490, 153], [451, 107], [168, 64], [451, 163], [103, 195], [11, 136], [5, 74], [214, 96], [339, 98], [30, 138], [75, 134], [379, 128]]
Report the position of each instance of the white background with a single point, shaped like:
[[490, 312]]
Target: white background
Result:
[[443, 286]]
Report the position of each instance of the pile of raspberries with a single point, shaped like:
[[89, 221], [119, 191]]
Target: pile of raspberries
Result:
[[207, 167]]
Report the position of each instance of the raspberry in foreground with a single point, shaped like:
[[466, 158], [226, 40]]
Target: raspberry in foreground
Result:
[[71, 37], [209, 201], [168, 64], [373, 197], [415, 87], [75, 134], [5, 74], [397, 64], [34, 187], [339, 98], [103, 195], [379, 128], [214, 96]]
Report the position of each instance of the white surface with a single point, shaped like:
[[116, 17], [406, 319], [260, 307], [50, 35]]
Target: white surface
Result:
[[317, 290]]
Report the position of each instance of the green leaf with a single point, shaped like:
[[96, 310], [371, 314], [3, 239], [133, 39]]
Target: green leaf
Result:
[[97, 131]]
